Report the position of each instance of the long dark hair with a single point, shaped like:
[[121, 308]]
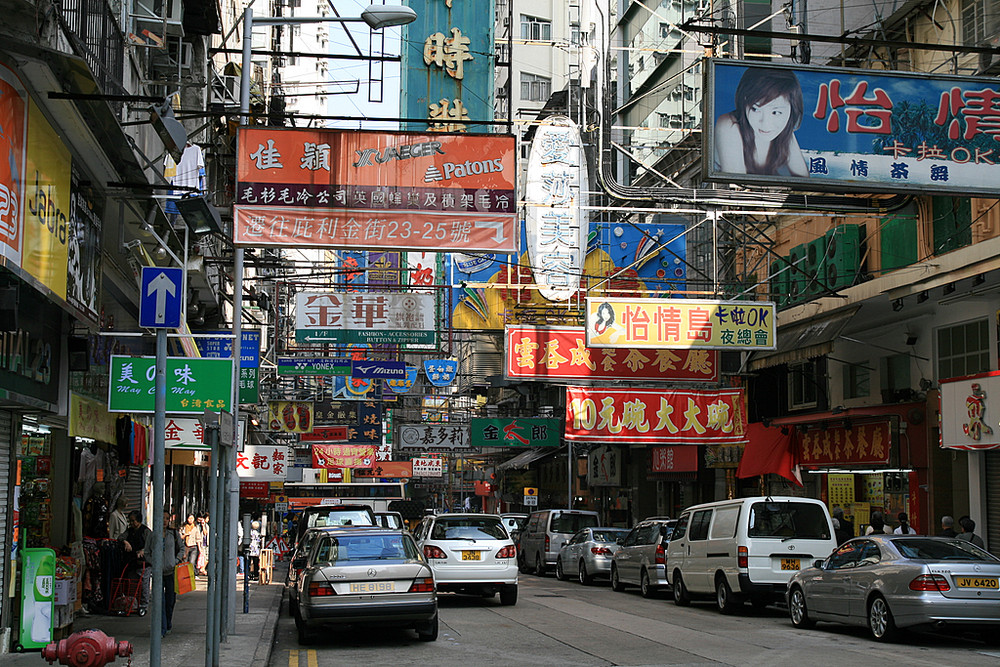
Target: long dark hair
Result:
[[761, 85]]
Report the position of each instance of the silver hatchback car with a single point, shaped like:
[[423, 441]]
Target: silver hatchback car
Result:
[[588, 554], [366, 577], [641, 560]]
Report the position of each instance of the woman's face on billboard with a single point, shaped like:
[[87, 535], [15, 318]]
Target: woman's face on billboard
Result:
[[768, 120]]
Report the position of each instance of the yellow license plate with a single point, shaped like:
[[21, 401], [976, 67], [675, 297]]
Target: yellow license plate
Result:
[[374, 587], [977, 582], [470, 555], [790, 564]]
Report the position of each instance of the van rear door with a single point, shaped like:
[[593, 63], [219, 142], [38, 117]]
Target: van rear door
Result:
[[785, 536]]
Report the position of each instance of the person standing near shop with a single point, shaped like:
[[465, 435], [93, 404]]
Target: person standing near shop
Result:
[[118, 522], [253, 550], [190, 535], [173, 554], [135, 540], [202, 564]]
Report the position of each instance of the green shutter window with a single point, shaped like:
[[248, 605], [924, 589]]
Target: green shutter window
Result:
[[952, 223], [898, 242]]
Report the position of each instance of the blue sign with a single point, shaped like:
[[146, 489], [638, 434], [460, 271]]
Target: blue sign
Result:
[[314, 365], [222, 347], [402, 386], [386, 370], [440, 372], [160, 297]]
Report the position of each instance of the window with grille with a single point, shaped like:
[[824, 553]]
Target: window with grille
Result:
[[535, 88], [857, 380], [963, 349], [803, 384], [980, 20], [535, 28]]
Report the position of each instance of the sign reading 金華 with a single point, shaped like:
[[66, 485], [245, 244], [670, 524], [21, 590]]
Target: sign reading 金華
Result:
[[365, 317], [680, 323], [193, 384], [514, 432]]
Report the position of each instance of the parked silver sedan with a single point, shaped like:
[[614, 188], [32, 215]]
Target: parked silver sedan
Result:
[[588, 554], [887, 582]]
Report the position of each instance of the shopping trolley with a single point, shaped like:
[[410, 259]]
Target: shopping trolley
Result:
[[126, 593]]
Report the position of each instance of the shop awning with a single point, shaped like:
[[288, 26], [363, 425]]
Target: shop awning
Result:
[[769, 450], [805, 340], [523, 459]]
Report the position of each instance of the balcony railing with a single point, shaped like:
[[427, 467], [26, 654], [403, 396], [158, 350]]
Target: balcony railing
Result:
[[98, 39]]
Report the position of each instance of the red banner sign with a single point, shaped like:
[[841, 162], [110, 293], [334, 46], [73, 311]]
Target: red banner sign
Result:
[[343, 456], [681, 458], [836, 445], [653, 416], [254, 490], [395, 469], [561, 353], [325, 434]]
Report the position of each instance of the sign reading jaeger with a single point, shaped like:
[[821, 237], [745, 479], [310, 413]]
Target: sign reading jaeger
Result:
[[375, 190], [515, 432], [365, 317], [193, 384], [680, 323]]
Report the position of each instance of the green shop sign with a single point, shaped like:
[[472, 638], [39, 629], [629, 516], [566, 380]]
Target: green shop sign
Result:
[[516, 432], [193, 384]]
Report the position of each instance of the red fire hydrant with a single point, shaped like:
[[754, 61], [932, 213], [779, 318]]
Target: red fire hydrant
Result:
[[87, 648]]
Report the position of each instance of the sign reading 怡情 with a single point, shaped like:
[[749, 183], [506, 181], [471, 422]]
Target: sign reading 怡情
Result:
[[264, 463], [857, 129], [193, 384], [365, 317], [680, 323], [434, 437], [970, 412], [656, 416], [427, 467], [375, 190], [561, 353], [515, 432]]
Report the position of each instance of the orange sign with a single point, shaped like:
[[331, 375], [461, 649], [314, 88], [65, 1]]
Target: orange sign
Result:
[[396, 469], [12, 181], [375, 190], [343, 456]]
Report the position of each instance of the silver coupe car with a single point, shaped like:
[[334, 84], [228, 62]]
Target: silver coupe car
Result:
[[588, 554], [887, 582]]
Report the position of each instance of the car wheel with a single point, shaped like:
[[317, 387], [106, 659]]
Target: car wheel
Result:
[[585, 578], [797, 610], [429, 633], [508, 595], [725, 599], [616, 583], [880, 621], [560, 575], [681, 597], [646, 588], [522, 563], [539, 565]]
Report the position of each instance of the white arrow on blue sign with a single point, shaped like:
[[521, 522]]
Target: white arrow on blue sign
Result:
[[160, 298]]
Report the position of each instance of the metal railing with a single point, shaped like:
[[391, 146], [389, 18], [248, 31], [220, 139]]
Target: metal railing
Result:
[[98, 39]]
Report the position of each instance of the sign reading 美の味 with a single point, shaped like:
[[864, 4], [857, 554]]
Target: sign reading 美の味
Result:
[[262, 463], [365, 317], [193, 384], [515, 432], [680, 323]]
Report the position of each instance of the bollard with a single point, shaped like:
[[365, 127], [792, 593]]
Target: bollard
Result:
[[87, 648]]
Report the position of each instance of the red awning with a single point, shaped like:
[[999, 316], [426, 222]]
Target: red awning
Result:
[[769, 450]]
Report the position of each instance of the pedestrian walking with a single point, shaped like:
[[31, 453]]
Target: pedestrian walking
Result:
[[173, 554], [189, 533], [969, 532], [947, 527], [904, 527], [202, 563], [253, 549], [135, 540]]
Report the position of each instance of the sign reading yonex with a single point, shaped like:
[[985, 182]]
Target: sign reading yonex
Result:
[[314, 366], [193, 384], [160, 298], [386, 370]]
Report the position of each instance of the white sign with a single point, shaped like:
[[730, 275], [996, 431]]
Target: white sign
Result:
[[434, 437], [427, 467], [181, 433], [604, 467], [365, 317], [262, 463], [970, 412], [280, 507], [531, 500]]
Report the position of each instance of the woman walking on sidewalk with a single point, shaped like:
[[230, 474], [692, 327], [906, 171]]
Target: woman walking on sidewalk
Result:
[[173, 555], [189, 533], [256, 544], [202, 563]]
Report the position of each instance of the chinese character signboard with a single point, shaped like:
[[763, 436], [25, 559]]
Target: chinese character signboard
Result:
[[853, 129], [193, 384], [375, 190], [555, 190], [255, 490], [836, 445], [440, 372], [604, 466], [393, 469], [515, 432], [325, 434], [181, 433], [653, 416], [970, 412], [290, 416], [361, 424], [840, 491], [447, 70], [262, 463], [402, 386], [434, 437], [674, 458], [561, 353], [680, 323], [365, 317], [221, 347], [427, 467], [343, 456]]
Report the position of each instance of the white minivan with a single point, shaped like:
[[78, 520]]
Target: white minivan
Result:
[[746, 549]]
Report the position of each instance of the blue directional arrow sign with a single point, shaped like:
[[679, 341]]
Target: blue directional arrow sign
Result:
[[386, 370], [160, 298]]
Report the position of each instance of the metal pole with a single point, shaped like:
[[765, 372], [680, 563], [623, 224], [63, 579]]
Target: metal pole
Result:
[[211, 645], [215, 545], [569, 475], [155, 545]]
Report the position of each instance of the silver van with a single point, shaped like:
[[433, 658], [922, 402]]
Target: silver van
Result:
[[545, 534], [746, 549]]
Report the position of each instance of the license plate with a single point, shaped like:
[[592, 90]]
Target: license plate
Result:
[[470, 555], [977, 582], [374, 587], [790, 564]]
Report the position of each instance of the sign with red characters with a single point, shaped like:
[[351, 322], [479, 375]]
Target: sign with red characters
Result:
[[343, 456], [561, 353], [255, 489], [679, 458], [655, 416], [325, 434], [836, 445]]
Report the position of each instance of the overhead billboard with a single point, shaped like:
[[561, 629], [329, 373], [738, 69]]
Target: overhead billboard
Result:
[[365, 317], [823, 128], [13, 141], [375, 190]]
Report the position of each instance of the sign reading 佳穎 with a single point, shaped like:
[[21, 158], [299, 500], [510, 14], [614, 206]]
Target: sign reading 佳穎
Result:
[[375, 190]]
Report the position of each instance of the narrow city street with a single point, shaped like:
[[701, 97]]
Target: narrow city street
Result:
[[563, 623]]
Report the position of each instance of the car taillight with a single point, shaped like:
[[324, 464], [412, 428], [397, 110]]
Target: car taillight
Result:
[[600, 551], [661, 556], [930, 582], [431, 551], [320, 589], [743, 557], [546, 542], [425, 585], [507, 552]]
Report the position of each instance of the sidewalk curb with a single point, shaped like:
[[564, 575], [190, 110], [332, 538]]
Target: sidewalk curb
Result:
[[262, 656]]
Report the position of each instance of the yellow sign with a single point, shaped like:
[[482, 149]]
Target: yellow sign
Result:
[[680, 324], [531, 491], [840, 491], [47, 205]]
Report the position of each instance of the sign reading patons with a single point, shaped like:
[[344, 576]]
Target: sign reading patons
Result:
[[680, 323], [426, 467], [654, 416], [365, 317], [970, 412], [375, 190], [555, 189], [434, 437]]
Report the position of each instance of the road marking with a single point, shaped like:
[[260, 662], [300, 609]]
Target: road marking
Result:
[[293, 659], [311, 658]]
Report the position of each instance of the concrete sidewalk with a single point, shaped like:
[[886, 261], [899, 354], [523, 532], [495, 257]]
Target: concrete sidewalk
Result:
[[249, 646]]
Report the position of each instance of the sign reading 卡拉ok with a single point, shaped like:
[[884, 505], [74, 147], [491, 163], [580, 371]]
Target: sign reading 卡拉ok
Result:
[[193, 384]]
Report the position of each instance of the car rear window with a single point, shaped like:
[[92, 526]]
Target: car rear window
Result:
[[789, 519], [339, 518], [466, 528], [349, 548], [563, 522], [608, 535], [927, 549]]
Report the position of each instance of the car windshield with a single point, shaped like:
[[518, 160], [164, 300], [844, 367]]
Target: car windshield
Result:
[[339, 517], [789, 519], [351, 548], [608, 535], [468, 528], [564, 522], [928, 549]]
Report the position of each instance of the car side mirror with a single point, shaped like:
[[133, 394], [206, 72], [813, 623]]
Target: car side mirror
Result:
[[818, 564]]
